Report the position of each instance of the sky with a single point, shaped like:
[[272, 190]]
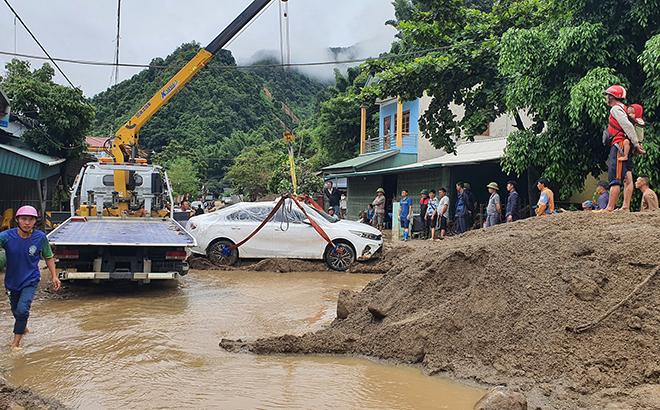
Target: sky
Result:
[[86, 29]]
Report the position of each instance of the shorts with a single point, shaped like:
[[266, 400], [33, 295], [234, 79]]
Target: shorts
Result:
[[405, 223], [617, 170], [443, 223], [433, 221]]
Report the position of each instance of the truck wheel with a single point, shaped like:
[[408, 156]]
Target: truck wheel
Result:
[[339, 258], [222, 253]]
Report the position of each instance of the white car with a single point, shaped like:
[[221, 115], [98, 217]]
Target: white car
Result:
[[289, 234]]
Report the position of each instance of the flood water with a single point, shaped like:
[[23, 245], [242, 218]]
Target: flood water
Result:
[[157, 347]]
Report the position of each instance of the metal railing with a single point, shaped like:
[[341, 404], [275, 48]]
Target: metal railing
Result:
[[389, 142]]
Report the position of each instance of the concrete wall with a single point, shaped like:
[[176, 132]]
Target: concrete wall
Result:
[[428, 179], [361, 192]]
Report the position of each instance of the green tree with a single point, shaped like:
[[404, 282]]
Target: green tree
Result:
[[557, 71], [181, 173], [254, 172], [58, 117]]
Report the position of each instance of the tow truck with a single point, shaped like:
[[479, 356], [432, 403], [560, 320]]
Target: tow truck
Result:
[[122, 224]]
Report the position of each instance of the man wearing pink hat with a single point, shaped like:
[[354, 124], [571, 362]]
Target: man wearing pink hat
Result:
[[25, 247]]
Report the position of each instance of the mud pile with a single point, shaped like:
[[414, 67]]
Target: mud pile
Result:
[[376, 266], [23, 398], [496, 306]]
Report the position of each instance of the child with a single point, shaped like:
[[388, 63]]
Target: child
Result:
[[432, 213], [635, 113], [370, 213]]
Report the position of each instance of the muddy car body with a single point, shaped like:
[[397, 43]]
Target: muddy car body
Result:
[[289, 234]]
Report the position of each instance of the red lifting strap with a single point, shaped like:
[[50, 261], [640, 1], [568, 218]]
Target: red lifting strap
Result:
[[272, 213]]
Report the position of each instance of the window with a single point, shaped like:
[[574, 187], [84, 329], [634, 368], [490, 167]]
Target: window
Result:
[[405, 126], [285, 215], [406, 123], [252, 214], [387, 130]]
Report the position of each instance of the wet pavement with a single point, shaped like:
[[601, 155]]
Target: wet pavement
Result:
[[157, 347]]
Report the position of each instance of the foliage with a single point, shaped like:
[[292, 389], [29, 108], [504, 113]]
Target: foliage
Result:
[[221, 112], [181, 173], [558, 70], [549, 59], [252, 173], [58, 117], [335, 130]]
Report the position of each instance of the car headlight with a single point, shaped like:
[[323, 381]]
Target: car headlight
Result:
[[367, 235]]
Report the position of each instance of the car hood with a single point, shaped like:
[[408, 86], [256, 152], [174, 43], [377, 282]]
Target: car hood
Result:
[[356, 226]]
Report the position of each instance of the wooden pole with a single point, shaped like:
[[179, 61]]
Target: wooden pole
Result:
[[363, 129], [399, 123]]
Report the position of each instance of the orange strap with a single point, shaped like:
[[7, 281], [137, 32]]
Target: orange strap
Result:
[[315, 225]]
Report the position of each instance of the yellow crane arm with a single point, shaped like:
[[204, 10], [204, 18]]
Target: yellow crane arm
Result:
[[127, 135]]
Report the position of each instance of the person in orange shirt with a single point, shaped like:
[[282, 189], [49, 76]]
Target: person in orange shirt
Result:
[[546, 204]]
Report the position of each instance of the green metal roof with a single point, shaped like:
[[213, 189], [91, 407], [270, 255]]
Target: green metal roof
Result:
[[21, 162], [360, 161]]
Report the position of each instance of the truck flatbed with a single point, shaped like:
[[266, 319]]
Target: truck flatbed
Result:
[[99, 231]]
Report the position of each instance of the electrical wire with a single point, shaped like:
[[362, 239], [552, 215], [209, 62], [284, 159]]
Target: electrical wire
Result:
[[117, 45], [233, 67], [38, 43]]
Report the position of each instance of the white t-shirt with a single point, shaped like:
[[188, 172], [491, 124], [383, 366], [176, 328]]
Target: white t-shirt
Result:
[[444, 201]]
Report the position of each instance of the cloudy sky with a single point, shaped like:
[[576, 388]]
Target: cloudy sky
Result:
[[85, 29]]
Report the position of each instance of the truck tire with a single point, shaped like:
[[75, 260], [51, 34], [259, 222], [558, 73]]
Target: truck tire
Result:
[[339, 258], [222, 253]]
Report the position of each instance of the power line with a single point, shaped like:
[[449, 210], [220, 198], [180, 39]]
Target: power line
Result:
[[117, 45], [38, 43], [232, 67]]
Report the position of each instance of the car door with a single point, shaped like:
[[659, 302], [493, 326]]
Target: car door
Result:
[[243, 222], [293, 237]]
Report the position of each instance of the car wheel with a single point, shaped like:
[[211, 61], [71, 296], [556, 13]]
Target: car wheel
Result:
[[339, 258], [222, 253]]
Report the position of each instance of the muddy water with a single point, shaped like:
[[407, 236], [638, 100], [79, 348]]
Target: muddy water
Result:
[[158, 348]]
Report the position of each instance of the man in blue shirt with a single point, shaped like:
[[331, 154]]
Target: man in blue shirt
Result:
[[512, 202], [24, 247], [461, 212], [405, 213]]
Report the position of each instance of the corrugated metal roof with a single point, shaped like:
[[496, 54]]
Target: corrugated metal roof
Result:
[[467, 153], [35, 156], [24, 163], [361, 161]]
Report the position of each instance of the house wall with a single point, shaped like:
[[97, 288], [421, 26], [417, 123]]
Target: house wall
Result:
[[361, 192], [415, 182], [388, 108]]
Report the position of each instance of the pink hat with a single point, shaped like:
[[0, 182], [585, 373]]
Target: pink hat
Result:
[[27, 210]]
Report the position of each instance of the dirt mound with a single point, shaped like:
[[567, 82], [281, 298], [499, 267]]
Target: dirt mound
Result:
[[494, 306], [376, 266], [23, 398]]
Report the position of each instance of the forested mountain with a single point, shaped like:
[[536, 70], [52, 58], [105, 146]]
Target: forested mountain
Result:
[[219, 113]]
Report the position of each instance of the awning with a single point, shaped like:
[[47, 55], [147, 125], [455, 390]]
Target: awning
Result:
[[354, 164], [477, 152], [21, 162]]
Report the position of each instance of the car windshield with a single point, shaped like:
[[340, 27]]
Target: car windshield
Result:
[[329, 218]]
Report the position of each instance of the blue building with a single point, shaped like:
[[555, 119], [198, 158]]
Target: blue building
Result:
[[401, 157]]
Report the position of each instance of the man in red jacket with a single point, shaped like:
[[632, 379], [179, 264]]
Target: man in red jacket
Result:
[[619, 127]]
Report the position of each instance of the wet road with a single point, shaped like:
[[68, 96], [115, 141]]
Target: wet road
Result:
[[157, 347]]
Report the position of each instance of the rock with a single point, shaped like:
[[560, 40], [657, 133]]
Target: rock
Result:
[[378, 312], [501, 398], [346, 303], [635, 323]]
